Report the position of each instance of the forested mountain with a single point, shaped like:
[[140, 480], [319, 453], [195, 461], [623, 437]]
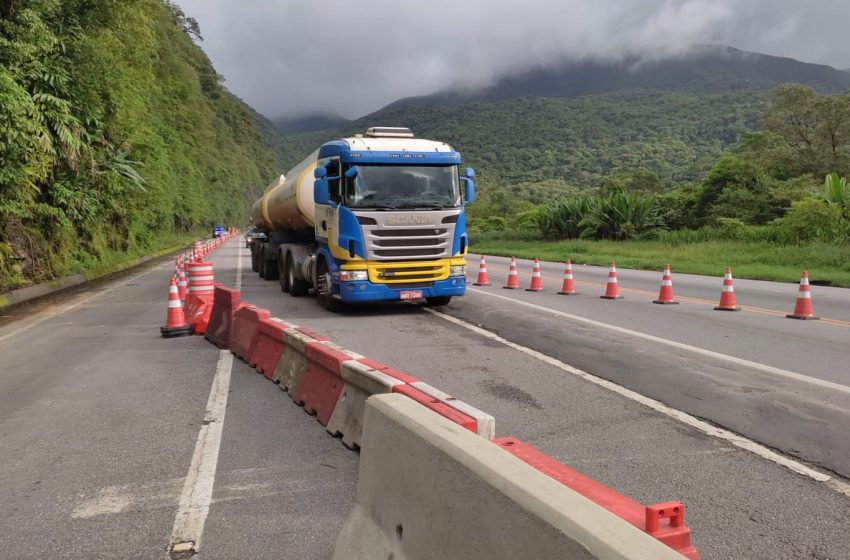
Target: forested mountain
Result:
[[116, 136], [549, 142], [703, 69]]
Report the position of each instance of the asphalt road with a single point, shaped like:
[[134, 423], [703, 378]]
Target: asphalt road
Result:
[[99, 417]]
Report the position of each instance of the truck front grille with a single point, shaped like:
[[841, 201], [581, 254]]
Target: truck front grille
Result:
[[386, 241]]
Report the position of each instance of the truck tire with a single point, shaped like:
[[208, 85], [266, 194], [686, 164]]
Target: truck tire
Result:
[[323, 276], [283, 277], [261, 263], [438, 301], [297, 288], [255, 263], [269, 264]]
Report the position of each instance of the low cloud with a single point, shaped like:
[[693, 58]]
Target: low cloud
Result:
[[288, 58]]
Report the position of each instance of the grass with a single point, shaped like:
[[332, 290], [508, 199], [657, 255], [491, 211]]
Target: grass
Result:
[[827, 264]]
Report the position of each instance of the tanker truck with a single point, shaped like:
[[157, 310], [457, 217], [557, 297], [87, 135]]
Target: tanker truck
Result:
[[379, 216]]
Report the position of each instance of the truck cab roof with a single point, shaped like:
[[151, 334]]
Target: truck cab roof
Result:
[[389, 145]]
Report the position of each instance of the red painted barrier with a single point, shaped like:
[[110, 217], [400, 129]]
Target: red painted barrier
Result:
[[388, 370], [246, 327], [318, 390], [225, 302], [665, 521], [269, 345], [440, 408]]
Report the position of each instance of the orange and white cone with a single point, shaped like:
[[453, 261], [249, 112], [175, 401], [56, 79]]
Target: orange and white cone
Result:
[[665, 295], [483, 279], [536, 279], [569, 286], [727, 296], [803, 308], [513, 276], [176, 324], [181, 285], [612, 289]]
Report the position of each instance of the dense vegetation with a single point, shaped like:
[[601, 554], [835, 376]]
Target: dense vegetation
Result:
[[116, 135], [677, 166]]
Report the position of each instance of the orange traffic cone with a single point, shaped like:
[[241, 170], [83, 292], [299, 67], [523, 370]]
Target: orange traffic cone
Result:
[[176, 324], [803, 308], [513, 276], [483, 279], [536, 279], [665, 295], [569, 287], [181, 285], [612, 290], [727, 296]]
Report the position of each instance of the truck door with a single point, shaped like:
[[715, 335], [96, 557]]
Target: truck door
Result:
[[327, 216]]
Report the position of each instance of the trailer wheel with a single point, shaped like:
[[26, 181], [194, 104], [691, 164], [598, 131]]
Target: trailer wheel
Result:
[[282, 273], [438, 301], [297, 288], [261, 263], [269, 264], [255, 263]]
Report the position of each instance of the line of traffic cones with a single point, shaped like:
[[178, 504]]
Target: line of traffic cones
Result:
[[802, 310], [190, 303]]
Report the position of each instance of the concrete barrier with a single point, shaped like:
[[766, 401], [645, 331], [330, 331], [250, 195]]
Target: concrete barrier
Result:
[[225, 303], [246, 329], [269, 345], [293, 360], [361, 381], [429, 489], [319, 388]]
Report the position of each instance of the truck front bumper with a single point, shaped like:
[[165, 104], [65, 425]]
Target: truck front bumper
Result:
[[370, 291]]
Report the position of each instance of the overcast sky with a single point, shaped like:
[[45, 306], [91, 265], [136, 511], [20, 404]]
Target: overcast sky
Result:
[[290, 57]]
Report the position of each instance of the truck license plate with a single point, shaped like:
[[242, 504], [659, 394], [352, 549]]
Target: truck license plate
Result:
[[410, 294]]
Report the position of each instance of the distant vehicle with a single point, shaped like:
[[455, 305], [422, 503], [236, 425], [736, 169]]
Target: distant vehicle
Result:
[[374, 217], [218, 231], [253, 234]]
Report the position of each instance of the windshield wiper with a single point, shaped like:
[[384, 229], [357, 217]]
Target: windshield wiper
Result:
[[374, 207]]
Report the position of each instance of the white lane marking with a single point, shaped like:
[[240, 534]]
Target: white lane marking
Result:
[[40, 318], [238, 283], [198, 487], [678, 415], [681, 346]]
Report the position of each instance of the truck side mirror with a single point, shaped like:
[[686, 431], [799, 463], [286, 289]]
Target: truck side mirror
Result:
[[469, 184], [469, 194], [352, 172], [320, 189], [320, 172]]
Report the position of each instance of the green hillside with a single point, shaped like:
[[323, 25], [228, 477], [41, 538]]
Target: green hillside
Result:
[[116, 136], [536, 144]]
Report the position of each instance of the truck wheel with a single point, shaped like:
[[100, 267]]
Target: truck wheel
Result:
[[269, 266], [283, 277], [324, 288], [297, 288], [255, 263], [438, 301], [261, 263]]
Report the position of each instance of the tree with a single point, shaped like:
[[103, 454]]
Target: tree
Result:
[[815, 127]]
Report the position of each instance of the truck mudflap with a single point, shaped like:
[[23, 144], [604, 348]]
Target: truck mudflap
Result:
[[369, 291]]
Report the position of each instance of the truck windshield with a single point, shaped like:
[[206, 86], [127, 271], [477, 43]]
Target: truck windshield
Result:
[[403, 186]]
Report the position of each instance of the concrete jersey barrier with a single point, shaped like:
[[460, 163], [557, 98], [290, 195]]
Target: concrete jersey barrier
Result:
[[428, 489]]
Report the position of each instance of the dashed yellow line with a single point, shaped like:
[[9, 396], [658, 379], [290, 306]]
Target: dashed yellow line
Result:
[[752, 309]]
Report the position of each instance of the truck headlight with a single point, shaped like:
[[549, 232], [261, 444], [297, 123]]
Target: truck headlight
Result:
[[457, 270], [353, 275]]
